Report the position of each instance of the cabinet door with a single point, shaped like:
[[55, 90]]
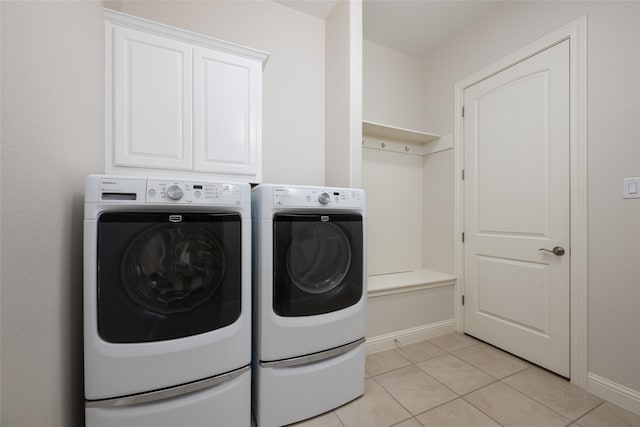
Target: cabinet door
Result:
[[152, 101], [227, 105]]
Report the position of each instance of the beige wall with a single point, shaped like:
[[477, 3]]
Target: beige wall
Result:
[[53, 136], [613, 137]]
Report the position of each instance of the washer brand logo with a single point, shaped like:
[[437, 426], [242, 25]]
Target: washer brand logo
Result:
[[175, 218], [324, 218]]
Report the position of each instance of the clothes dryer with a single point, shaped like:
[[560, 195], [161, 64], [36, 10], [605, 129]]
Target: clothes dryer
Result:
[[309, 300], [167, 302]]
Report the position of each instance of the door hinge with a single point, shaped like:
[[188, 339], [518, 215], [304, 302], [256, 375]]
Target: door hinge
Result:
[[463, 111], [463, 237], [463, 174], [462, 299]]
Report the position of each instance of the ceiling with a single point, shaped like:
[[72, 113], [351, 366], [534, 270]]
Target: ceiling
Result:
[[417, 26], [410, 26], [317, 8]]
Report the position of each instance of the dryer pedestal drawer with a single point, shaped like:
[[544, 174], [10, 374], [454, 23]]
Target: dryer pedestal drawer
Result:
[[286, 395]]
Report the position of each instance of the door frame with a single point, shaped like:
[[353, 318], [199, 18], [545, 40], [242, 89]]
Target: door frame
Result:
[[576, 32]]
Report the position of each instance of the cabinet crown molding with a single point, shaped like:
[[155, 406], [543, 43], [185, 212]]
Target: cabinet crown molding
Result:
[[142, 24]]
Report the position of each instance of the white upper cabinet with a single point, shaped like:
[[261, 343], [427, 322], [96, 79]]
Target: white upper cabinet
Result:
[[226, 121], [152, 101], [179, 101]]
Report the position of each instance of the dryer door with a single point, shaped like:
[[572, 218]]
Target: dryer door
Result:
[[318, 263], [167, 275]]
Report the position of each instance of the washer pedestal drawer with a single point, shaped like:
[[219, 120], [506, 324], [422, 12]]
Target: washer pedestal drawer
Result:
[[226, 404], [286, 395]]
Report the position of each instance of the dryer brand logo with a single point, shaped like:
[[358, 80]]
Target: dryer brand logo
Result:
[[175, 218], [324, 218]]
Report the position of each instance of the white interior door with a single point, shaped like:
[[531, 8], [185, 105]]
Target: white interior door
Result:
[[516, 160]]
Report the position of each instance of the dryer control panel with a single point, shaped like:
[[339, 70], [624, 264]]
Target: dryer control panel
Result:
[[310, 197], [187, 192]]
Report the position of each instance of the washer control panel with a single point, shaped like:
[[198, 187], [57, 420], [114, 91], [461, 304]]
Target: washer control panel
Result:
[[310, 197], [187, 192]]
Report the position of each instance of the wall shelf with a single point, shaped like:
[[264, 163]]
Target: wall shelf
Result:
[[397, 134], [406, 281], [378, 136]]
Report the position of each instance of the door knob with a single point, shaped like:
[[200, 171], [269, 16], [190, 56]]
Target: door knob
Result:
[[557, 251]]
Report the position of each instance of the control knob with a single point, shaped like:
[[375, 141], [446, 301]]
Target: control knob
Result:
[[324, 198], [174, 192]]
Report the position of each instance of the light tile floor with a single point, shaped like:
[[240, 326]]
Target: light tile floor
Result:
[[457, 381]]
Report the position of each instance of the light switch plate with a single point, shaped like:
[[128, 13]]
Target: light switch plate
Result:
[[632, 188]]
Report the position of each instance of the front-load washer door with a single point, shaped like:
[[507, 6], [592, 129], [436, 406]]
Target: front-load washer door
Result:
[[164, 276], [318, 263]]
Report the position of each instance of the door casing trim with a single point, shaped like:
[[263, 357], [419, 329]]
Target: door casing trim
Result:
[[576, 33]]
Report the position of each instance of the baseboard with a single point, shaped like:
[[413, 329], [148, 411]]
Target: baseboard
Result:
[[613, 392], [407, 336]]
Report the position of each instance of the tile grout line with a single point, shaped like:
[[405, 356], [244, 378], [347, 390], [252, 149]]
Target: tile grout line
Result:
[[590, 411], [529, 397], [396, 400], [496, 380], [391, 370], [458, 396], [487, 385], [529, 365], [404, 421], [480, 410], [461, 396], [544, 404], [338, 417], [417, 367], [475, 367]]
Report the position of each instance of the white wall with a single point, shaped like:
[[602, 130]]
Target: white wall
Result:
[[409, 314], [613, 111], [423, 187], [392, 84], [52, 137], [393, 182], [343, 95], [293, 81], [437, 224], [52, 81]]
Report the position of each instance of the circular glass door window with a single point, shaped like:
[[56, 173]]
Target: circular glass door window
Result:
[[318, 258], [173, 268]]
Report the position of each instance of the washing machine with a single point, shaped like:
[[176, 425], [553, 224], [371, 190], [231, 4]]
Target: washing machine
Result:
[[167, 302], [309, 300]]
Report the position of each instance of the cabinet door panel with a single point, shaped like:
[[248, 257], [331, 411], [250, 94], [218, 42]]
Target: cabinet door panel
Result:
[[226, 113], [152, 101]]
